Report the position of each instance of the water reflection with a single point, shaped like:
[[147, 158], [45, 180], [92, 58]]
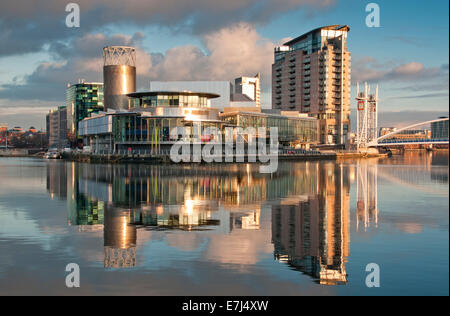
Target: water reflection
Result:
[[307, 205], [312, 234]]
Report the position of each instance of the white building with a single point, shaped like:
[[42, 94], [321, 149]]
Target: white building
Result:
[[249, 86]]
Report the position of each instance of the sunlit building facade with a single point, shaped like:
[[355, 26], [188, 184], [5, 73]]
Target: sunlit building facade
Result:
[[56, 121], [311, 74], [82, 100], [146, 126]]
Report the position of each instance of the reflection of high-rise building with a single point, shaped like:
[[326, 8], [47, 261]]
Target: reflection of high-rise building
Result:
[[312, 235]]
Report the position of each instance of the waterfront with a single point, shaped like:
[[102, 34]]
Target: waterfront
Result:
[[309, 229]]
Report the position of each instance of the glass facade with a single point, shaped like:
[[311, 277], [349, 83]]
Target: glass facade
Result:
[[154, 130], [439, 130], [168, 100], [290, 129], [82, 100]]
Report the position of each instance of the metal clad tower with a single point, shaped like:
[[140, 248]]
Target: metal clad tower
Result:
[[367, 116], [119, 76]]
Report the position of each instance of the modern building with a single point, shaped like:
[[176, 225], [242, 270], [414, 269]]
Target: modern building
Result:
[[149, 120], [145, 123], [224, 89], [82, 99], [146, 126], [57, 128], [439, 130], [311, 74], [294, 129], [250, 87], [119, 75], [246, 93]]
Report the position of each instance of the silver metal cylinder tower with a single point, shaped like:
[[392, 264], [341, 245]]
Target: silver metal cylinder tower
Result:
[[119, 76]]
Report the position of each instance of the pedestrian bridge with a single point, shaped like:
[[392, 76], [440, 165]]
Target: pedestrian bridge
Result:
[[438, 136]]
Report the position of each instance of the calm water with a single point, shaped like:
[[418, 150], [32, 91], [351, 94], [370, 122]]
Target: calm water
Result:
[[309, 229]]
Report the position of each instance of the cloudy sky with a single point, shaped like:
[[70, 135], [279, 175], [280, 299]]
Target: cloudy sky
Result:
[[218, 40]]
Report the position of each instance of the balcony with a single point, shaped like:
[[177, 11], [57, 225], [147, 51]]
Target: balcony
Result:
[[292, 71], [292, 65], [292, 89], [292, 59]]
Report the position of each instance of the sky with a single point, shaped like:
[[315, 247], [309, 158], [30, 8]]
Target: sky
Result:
[[407, 56]]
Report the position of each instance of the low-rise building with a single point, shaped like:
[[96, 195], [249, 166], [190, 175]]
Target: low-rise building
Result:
[[439, 130], [147, 125]]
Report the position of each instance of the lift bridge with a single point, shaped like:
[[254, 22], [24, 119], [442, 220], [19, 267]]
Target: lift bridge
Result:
[[433, 132]]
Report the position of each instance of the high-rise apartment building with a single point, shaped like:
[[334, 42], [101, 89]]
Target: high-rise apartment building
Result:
[[82, 99], [311, 74], [249, 86]]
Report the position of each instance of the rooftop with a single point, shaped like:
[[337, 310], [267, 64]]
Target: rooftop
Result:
[[155, 93], [335, 27]]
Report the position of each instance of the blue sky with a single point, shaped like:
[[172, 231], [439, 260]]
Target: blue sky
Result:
[[214, 40]]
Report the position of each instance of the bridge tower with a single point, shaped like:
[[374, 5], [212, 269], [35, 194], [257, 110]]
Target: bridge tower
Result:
[[367, 116]]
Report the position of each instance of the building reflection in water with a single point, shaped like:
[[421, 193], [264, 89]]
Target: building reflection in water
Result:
[[312, 233], [309, 201], [119, 237], [366, 195]]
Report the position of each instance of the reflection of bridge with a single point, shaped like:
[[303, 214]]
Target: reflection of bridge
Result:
[[439, 135]]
